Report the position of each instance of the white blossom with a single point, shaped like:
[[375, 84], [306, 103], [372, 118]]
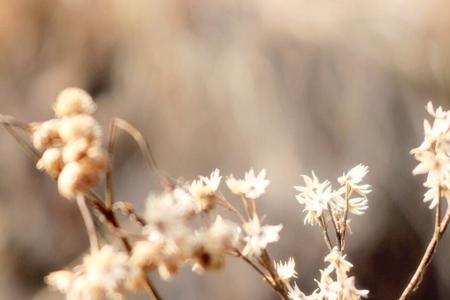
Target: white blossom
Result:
[[315, 196], [354, 178], [286, 270], [257, 237], [252, 186]]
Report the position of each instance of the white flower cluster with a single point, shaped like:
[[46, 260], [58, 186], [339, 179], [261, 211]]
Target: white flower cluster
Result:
[[434, 156], [71, 144], [172, 239], [334, 284], [319, 197]]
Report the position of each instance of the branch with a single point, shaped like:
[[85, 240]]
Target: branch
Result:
[[439, 229]]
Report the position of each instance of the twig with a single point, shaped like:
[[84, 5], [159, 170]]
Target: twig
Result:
[[238, 254], [326, 237], [336, 227], [165, 180], [268, 263], [439, 229], [30, 150]]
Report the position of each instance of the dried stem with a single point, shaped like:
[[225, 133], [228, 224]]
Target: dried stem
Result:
[[12, 123], [439, 229], [326, 236], [268, 264], [165, 180], [238, 254], [336, 227], [246, 206], [227, 205], [344, 221], [89, 222]]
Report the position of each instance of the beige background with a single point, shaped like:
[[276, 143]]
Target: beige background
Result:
[[288, 85]]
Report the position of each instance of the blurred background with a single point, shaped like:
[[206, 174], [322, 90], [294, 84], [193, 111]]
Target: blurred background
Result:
[[290, 85]]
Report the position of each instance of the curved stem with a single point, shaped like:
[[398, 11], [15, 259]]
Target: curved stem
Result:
[[89, 222], [439, 229]]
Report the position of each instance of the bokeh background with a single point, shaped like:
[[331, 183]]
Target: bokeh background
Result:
[[290, 85]]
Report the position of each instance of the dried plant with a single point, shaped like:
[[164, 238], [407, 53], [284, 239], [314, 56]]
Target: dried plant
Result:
[[183, 224]]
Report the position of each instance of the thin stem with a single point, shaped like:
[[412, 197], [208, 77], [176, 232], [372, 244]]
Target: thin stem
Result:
[[109, 193], [326, 237], [151, 289], [254, 211], [165, 180], [30, 150], [238, 254], [89, 222], [439, 229], [226, 204], [13, 122], [268, 263], [246, 206], [336, 227], [344, 222]]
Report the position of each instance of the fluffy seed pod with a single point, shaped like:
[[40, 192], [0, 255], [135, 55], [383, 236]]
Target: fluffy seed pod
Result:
[[75, 150], [46, 134], [77, 127], [74, 101], [77, 178], [51, 162]]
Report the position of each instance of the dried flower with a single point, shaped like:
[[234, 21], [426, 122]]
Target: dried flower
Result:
[[252, 186], [258, 237], [315, 196], [286, 270], [353, 179], [434, 155], [203, 190]]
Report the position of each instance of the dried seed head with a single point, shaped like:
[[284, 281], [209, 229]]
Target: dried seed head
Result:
[[74, 101], [77, 178], [96, 158], [75, 150], [46, 134], [80, 126], [51, 162]]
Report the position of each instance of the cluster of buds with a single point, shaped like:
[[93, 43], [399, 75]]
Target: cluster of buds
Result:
[[434, 156], [71, 144]]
